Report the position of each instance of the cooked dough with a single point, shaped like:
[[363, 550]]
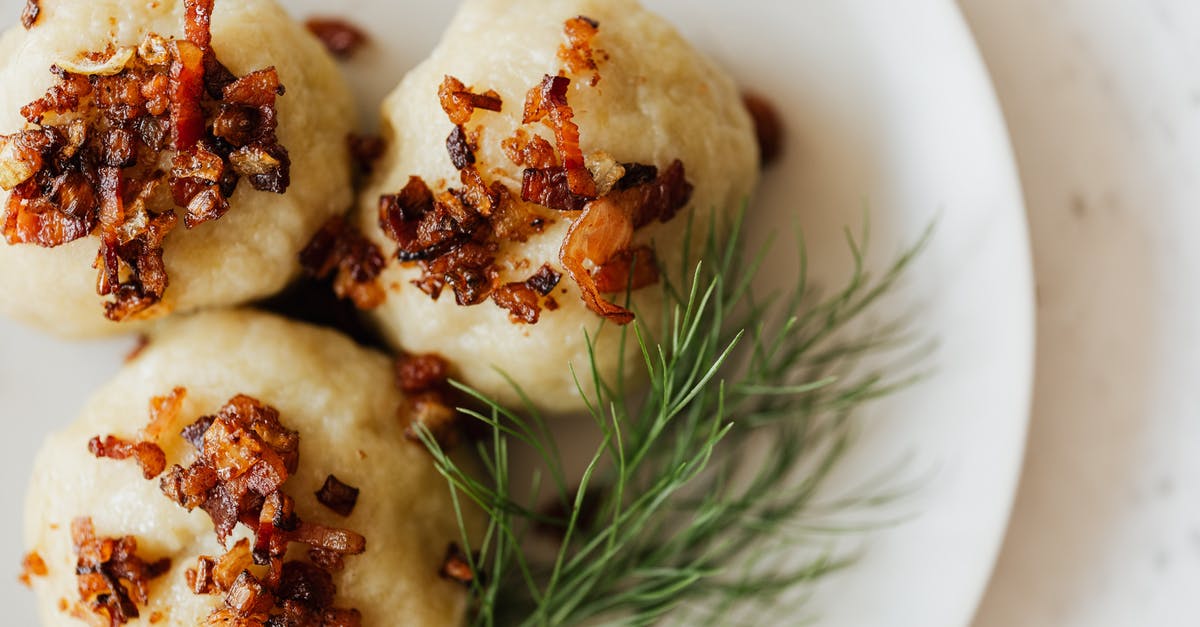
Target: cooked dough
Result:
[[342, 400], [249, 253], [657, 100]]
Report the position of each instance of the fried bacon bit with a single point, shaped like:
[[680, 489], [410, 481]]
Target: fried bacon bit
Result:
[[245, 455], [550, 188], [30, 13], [630, 269], [341, 38], [90, 161], [461, 154], [421, 373], [456, 566], [604, 233], [550, 99], [358, 263], [32, 566], [460, 103], [365, 150], [522, 299], [577, 52], [768, 127], [529, 150], [337, 496], [113, 581], [428, 410]]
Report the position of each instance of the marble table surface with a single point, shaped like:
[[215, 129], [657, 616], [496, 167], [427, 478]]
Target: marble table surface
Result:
[[1103, 101]]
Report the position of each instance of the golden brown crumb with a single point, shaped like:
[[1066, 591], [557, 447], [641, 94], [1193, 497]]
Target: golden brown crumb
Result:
[[32, 566]]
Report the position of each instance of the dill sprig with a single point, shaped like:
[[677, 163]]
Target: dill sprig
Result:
[[697, 487]]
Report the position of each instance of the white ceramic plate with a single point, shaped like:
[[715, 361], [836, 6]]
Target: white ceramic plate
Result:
[[887, 103]]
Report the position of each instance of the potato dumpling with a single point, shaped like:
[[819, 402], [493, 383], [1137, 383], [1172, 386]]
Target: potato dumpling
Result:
[[539, 162], [342, 402], [150, 138]]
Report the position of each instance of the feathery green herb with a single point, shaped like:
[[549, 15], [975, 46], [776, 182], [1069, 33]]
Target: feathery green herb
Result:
[[697, 487]]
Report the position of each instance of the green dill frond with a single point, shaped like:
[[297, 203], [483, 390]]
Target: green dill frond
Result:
[[698, 487]]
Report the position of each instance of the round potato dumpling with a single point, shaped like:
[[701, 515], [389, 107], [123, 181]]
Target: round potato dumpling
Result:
[[76, 256], [348, 426], [544, 157]]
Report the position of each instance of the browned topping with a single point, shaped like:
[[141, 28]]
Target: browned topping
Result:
[[577, 52], [529, 150], [358, 263], [604, 233], [768, 127], [91, 159], [113, 580], [457, 235], [522, 300], [145, 450], [456, 566], [460, 103], [550, 99], [32, 566], [341, 38], [365, 150], [30, 13], [421, 373], [244, 456], [338, 496]]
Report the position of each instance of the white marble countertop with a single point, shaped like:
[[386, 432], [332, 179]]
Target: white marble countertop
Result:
[[1103, 101]]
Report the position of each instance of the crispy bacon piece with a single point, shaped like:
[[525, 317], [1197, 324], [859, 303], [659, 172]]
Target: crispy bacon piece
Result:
[[521, 299], [550, 99], [341, 38], [456, 567], [460, 103], [550, 188], [337, 496], [30, 13], [90, 161], [529, 150], [430, 411], [358, 263], [577, 53], [461, 153], [421, 373], [32, 566], [197, 22], [768, 127], [112, 580], [604, 233]]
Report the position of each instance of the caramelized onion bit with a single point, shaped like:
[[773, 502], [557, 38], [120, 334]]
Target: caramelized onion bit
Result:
[[768, 127], [577, 52], [337, 496], [341, 38], [630, 269], [460, 103], [358, 263], [30, 13], [604, 232], [197, 22], [112, 579], [148, 455], [545, 280]]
